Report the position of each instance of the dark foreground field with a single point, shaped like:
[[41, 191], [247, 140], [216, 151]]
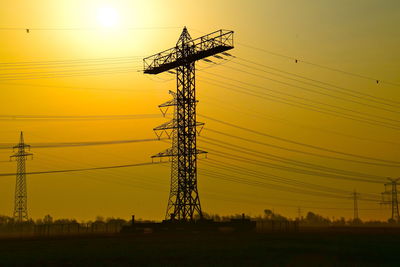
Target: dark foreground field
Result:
[[305, 249]]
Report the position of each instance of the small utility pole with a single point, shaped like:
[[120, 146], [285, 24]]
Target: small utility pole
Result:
[[20, 202]]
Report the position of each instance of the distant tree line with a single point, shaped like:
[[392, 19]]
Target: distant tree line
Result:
[[6, 220], [311, 218]]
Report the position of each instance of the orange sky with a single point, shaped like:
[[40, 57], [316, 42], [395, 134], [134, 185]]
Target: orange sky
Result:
[[359, 37]]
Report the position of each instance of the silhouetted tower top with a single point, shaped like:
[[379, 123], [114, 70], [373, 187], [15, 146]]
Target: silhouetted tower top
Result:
[[21, 143], [185, 38], [202, 47]]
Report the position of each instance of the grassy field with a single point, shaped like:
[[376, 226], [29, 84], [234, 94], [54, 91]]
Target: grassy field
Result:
[[287, 249]]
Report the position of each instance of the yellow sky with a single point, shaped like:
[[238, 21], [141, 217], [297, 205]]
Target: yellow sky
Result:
[[358, 36]]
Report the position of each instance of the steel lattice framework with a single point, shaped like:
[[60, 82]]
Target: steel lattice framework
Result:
[[390, 197], [355, 200], [20, 202], [172, 200], [184, 201]]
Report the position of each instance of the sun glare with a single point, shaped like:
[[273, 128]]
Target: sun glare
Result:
[[107, 17]]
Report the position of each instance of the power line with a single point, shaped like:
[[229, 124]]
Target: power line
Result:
[[296, 200], [273, 157], [7, 71], [236, 179], [116, 178], [69, 61], [303, 98], [116, 175], [4, 76], [70, 87], [321, 66], [242, 159], [29, 29], [342, 90], [205, 195], [77, 74], [242, 200], [86, 169], [301, 105], [297, 60], [251, 172], [216, 102], [318, 86], [124, 183], [299, 151], [135, 185], [291, 169], [79, 144], [298, 143], [82, 117]]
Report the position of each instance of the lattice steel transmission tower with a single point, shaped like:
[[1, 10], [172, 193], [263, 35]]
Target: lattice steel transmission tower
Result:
[[184, 201], [20, 202], [355, 200], [390, 197]]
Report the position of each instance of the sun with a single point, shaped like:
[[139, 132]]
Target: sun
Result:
[[107, 16]]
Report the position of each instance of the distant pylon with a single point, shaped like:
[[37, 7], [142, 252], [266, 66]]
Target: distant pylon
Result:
[[391, 191], [20, 202], [355, 198], [299, 213]]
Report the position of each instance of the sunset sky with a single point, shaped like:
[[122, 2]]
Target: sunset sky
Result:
[[84, 58]]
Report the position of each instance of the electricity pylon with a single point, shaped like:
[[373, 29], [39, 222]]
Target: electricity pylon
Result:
[[20, 202], [299, 214], [184, 201], [391, 192], [355, 199]]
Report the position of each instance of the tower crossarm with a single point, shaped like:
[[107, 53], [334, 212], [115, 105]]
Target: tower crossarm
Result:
[[202, 47], [169, 152], [21, 146], [21, 154], [173, 125], [169, 103]]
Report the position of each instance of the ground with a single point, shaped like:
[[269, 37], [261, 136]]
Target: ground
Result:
[[276, 249]]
